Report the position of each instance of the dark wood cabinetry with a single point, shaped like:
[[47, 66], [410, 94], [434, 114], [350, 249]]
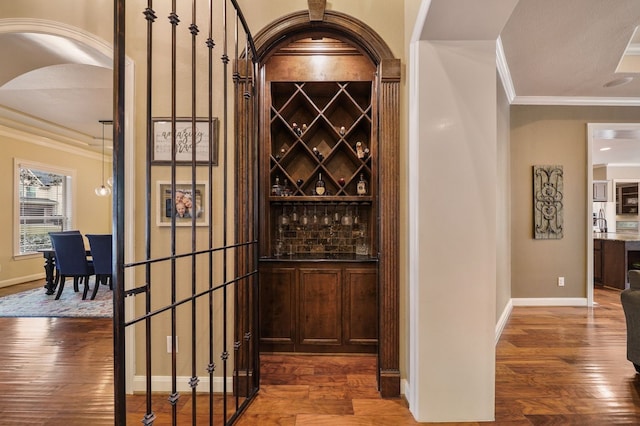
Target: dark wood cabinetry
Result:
[[319, 130], [307, 307], [597, 262], [613, 259], [627, 198], [326, 74], [318, 269], [613, 264]]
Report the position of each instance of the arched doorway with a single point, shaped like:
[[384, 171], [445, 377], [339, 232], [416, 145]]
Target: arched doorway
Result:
[[343, 32], [87, 51]]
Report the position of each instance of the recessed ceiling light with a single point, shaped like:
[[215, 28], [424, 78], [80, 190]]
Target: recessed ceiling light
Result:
[[618, 82], [606, 148]]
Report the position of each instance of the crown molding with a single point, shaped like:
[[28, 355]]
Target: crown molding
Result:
[[18, 120], [505, 76], [41, 138], [503, 71], [574, 101], [633, 50]]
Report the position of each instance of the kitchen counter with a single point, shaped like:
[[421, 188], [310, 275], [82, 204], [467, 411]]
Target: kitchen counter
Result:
[[613, 236], [321, 258], [614, 254]]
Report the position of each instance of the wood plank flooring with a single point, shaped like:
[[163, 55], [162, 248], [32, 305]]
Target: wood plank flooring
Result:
[[56, 371], [554, 366], [567, 366], [322, 390]]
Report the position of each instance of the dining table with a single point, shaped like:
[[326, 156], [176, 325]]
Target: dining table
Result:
[[50, 269]]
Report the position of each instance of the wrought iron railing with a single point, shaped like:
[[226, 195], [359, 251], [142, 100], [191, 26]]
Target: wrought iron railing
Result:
[[182, 305]]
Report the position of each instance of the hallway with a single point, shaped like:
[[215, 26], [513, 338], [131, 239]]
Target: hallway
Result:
[[555, 365]]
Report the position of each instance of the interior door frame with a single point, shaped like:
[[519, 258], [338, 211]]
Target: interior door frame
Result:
[[14, 25], [592, 129]]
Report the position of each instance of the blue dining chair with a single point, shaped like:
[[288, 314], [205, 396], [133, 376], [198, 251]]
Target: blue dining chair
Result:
[[71, 261], [102, 255], [56, 278]]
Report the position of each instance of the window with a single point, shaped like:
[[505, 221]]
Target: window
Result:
[[43, 204]]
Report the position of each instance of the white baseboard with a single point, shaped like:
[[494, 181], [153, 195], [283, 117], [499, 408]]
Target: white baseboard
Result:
[[550, 301], [21, 280], [163, 384], [502, 321], [405, 390]]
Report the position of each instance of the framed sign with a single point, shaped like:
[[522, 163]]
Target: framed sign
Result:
[[186, 140], [184, 204]]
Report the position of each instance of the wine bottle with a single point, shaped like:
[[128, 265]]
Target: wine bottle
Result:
[[320, 185], [276, 189], [361, 188], [285, 189]]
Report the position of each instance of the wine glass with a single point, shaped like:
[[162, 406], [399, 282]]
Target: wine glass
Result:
[[347, 219], [326, 219], [304, 219], [283, 219]]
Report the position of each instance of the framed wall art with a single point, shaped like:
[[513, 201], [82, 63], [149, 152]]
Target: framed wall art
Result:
[[184, 203], [185, 142], [548, 208]]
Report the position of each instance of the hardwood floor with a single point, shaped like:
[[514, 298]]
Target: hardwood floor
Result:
[[18, 288], [322, 390], [554, 366], [56, 371], [567, 366]]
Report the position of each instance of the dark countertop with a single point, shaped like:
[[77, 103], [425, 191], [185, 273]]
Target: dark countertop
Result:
[[311, 258], [613, 236]]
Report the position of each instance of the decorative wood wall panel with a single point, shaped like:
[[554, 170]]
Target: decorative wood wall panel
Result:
[[548, 211]]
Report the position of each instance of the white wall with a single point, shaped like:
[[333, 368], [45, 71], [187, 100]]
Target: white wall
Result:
[[454, 252]]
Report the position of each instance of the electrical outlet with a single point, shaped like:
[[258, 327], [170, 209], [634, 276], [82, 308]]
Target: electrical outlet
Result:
[[169, 344], [560, 281]]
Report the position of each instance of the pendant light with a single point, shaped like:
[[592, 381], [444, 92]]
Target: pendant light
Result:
[[102, 190]]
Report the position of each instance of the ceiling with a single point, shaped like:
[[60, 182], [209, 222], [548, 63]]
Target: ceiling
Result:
[[555, 52], [56, 86], [566, 52]]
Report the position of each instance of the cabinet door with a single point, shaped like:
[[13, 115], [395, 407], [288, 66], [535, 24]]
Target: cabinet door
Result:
[[320, 307], [360, 306], [600, 191], [613, 264], [627, 198], [597, 262], [277, 308]]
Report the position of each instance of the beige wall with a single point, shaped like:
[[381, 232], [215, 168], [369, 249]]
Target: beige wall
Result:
[[545, 135]]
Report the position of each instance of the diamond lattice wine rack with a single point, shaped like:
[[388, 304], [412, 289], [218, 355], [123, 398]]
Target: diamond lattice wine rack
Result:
[[321, 131]]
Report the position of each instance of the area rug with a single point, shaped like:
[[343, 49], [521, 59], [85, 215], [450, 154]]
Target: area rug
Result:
[[36, 303]]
